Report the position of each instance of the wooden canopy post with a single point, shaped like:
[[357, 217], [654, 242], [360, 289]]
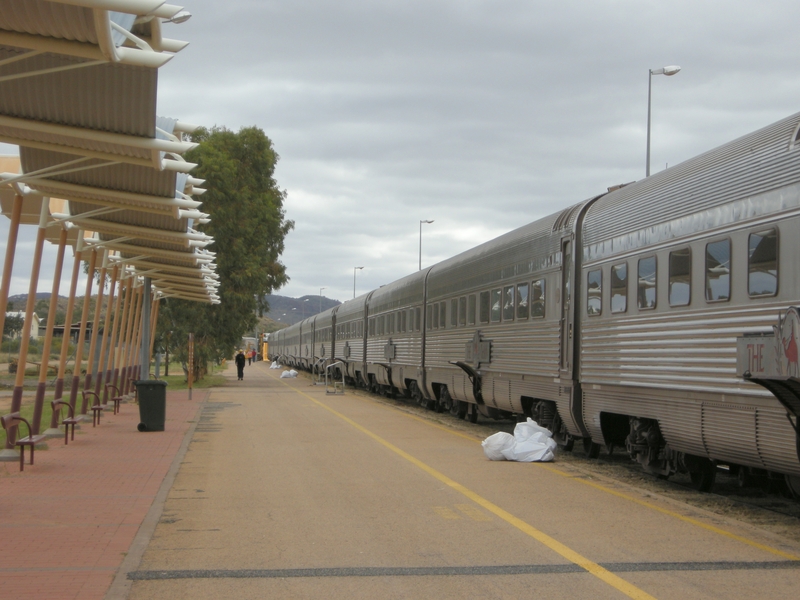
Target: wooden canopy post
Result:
[[118, 353], [16, 397], [125, 360], [8, 265], [153, 323], [76, 375], [48, 339], [101, 375], [62, 361], [130, 361], [91, 364]]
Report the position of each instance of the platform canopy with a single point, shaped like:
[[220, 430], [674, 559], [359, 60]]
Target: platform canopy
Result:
[[78, 90]]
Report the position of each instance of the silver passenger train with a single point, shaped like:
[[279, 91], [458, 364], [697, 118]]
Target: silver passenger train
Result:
[[613, 322]]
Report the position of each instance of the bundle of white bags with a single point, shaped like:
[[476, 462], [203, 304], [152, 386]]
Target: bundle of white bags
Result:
[[275, 365], [289, 374], [530, 443]]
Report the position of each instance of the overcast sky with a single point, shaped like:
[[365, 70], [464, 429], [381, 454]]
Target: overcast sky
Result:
[[482, 116]]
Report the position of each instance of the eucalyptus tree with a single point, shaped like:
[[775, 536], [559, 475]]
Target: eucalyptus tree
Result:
[[248, 225]]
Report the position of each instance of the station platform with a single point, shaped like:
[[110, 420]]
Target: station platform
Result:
[[270, 488]]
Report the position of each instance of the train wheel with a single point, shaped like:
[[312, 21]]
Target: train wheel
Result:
[[448, 404], [793, 483], [416, 395], [463, 407], [704, 474], [591, 449], [561, 436]]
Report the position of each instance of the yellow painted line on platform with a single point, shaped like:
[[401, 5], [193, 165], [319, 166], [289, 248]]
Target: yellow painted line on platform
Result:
[[604, 575], [624, 496], [676, 515]]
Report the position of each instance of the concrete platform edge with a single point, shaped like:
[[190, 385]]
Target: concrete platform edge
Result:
[[121, 586]]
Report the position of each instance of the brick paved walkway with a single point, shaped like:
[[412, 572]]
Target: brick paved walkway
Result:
[[68, 521]]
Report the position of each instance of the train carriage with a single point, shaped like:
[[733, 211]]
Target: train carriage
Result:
[[395, 333], [499, 328], [675, 267], [323, 341], [292, 346], [350, 326]]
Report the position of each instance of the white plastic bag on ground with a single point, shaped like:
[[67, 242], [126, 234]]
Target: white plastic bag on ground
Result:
[[529, 451], [495, 445], [289, 374], [530, 443], [275, 365], [524, 431]]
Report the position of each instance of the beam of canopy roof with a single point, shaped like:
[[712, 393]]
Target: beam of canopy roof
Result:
[[78, 83]]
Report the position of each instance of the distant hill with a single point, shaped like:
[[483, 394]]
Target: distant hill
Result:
[[292, 310]]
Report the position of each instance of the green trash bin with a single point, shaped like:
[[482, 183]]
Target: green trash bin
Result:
[[152, 395]]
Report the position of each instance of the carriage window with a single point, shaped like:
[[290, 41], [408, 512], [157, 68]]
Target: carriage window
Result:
[[371, 327], [718, 271], [442, 315], [436, 316], [453, 312], [471, 309], [762, 266], [485, 307], [390, 318], [594, 292], [619, 288], [418, 319], [508, 303], [680, 277], [381, 324], [646, 296], [522, 301], [462, 311], [537, 299], [496, 298]]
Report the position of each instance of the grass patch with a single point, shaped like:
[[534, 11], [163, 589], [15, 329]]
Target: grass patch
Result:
[[27, 413]]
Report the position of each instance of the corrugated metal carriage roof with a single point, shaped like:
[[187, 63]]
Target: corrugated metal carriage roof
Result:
[[523, 251], [754, 164]]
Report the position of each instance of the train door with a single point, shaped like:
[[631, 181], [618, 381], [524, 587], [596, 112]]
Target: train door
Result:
[[567, 325]]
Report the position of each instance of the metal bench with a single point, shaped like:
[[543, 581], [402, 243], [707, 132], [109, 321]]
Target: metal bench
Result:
[[115, 398], [69, 421], [97, 408], [14, 419]]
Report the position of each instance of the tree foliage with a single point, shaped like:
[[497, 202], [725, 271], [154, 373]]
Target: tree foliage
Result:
[[248, 226], [13, 326]]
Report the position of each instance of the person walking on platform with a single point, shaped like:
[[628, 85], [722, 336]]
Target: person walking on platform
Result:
[[249, 357], [240, 365]]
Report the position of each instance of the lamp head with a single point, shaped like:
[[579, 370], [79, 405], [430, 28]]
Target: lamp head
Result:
[[668, 71]]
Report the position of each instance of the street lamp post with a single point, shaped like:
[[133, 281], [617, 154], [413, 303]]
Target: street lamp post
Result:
[[420, 242], [354, 279], [669, 72], [320, 298]]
